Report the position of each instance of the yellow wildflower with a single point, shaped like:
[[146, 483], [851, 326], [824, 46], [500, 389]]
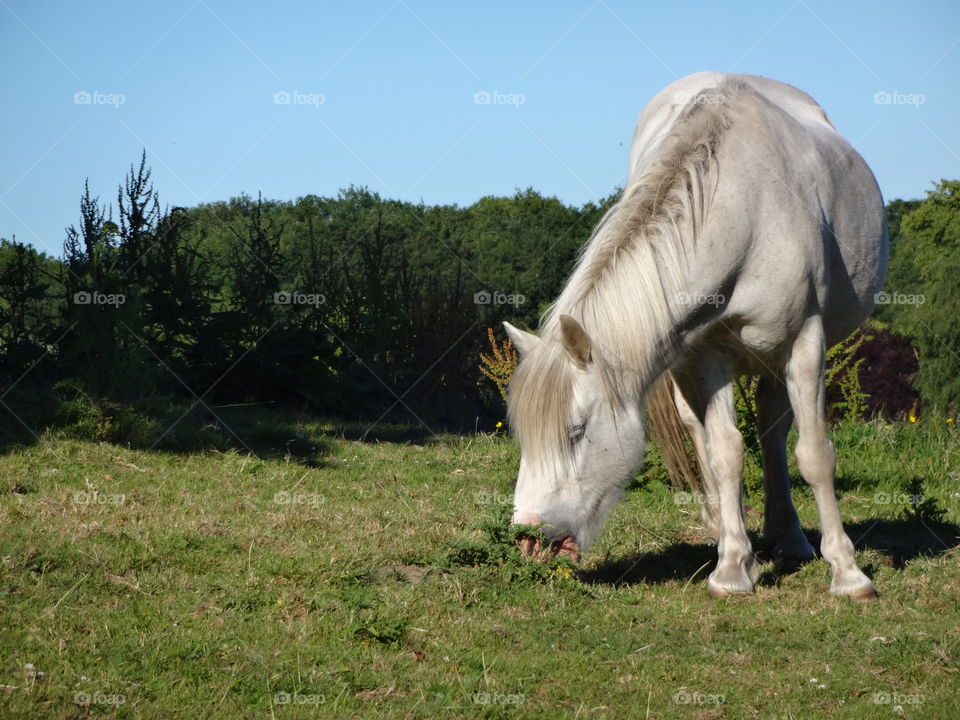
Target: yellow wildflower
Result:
[[562, 572]]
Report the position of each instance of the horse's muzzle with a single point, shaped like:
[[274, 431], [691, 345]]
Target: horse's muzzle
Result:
[[542, 552]]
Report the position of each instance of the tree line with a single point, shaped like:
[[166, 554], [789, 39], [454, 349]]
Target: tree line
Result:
[[355, 306]]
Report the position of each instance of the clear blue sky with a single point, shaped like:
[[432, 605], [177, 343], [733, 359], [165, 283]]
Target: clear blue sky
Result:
[[398, 78]]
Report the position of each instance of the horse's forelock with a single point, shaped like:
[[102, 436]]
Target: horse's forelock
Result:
[[540, 402]]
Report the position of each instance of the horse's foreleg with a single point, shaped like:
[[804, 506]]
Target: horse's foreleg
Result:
[[707, 386]]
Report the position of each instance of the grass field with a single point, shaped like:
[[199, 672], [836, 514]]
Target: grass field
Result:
[[377, 580]]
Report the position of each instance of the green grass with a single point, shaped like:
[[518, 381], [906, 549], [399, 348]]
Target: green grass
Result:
[[378, 580]]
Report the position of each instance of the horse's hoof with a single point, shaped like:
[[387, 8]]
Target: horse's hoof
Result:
[[867, 594], [732, 580], [730, 587]]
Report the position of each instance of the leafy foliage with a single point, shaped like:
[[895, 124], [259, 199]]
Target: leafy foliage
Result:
[[842, 377], [886, 366], [352, 305], [925, 264]]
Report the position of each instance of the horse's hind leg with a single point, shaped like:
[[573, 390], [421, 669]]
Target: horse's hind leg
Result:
[[817, 460], [780, 522], [707, 386]]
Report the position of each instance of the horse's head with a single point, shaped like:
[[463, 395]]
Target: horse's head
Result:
[[580, 439]]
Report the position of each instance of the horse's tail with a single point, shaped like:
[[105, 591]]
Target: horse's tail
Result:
[[671, 435]]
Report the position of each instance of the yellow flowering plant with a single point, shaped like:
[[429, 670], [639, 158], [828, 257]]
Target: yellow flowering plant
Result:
[[499, 364]]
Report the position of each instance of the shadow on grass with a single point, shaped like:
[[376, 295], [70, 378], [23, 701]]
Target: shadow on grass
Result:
[[903, 539], [264, 430], [899, 540], [261, 432], [677, 562], [178, 429], [370, 431]]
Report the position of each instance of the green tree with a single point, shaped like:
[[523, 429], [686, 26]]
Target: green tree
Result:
[[93, 288], [929, 251], [902, 275], [139, 214], [29, 304]]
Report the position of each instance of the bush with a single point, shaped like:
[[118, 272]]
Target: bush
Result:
[[887, 365]]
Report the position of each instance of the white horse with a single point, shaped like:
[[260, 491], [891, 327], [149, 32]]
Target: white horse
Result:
[[750, 237]]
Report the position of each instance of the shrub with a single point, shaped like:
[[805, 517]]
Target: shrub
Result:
[[500, 364]]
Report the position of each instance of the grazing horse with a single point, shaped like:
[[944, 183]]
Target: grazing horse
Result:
[[750, 237]]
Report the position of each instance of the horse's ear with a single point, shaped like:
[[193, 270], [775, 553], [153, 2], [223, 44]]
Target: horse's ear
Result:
[[575, 340], [523, 341]]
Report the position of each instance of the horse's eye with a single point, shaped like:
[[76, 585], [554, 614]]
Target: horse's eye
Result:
[[576, 433]]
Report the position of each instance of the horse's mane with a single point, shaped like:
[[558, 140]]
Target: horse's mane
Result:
[[624, 289]]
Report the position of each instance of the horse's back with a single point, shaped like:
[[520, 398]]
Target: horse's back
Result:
[[797, 222], [662, 112]]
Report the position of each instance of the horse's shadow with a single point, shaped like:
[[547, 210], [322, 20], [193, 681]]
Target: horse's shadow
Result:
[[898, 540]]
